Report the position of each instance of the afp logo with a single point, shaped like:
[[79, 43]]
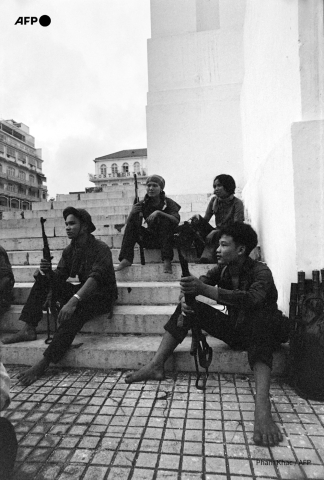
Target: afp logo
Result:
[[44, 20]]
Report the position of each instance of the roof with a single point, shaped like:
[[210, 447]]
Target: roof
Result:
[[136, 152]]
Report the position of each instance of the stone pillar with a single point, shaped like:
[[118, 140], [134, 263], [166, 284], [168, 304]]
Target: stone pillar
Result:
[[195, 69]]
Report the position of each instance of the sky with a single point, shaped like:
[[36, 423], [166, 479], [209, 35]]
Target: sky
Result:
[[80, 84]]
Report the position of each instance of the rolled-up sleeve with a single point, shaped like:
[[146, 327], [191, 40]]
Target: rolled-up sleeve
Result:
[[255, 296], [173, 209], [102, 267]]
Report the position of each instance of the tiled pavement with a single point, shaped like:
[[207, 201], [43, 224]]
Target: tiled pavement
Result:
[[90, 425]]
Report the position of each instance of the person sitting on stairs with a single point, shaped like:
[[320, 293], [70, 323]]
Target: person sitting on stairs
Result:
[[252, 323], [7, 281], [161, 216], [227, 209], [84, 285]]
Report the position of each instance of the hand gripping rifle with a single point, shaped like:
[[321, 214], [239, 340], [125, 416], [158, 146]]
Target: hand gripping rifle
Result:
[[49, 305], [200, 349], [136, 200]]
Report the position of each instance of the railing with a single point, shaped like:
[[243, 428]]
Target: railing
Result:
[[21, 196], [93, 177]]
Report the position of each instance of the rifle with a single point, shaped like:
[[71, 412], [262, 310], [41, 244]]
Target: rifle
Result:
[[136, 200], [49, 304], [200, 349]]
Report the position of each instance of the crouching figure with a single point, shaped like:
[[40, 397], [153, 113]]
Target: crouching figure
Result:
[[252, 323]]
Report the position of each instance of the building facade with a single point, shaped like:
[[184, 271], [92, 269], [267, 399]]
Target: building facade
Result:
[[21, 176], [118, 168]]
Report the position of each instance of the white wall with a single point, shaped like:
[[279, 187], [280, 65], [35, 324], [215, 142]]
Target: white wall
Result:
[[283, 135], [195, 60]]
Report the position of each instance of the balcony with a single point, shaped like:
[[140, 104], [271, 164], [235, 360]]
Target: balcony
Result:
[[113, 176], [21, 181]]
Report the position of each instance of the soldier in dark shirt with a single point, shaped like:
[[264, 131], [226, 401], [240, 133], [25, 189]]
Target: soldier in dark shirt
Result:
[[7, 281], [84, 284], [253, 322], [161, 215]]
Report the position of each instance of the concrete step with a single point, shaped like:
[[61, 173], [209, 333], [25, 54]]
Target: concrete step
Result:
[[55, 243], [59, 231], [127, 319], [116, 198], [112, 226], [130, 293], [33, 257], [132, 352], [135, 273], [55, 217]]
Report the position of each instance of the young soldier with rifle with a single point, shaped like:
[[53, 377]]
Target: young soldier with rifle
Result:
[[162, 217], [253, 322], [83, 284]]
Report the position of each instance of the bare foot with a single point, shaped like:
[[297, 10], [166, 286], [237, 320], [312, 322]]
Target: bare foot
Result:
[[123, 264], [266, 432], [33, 373], [148, 372], [26, 334], [167, 267]]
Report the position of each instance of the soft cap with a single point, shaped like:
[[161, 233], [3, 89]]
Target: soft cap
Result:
[[81, 214], [156, 179]]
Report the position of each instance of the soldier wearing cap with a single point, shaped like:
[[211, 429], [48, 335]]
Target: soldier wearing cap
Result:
[[161, 214], [84, 284]]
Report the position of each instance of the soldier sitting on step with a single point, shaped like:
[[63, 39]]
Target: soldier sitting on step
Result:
[[7, 281], [227, 209], [253, 321], [84, 284], [162, 217]]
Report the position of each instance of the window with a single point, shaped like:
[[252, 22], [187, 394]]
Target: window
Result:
[[10, 187], [114, 168], [0, 167], [137, 167], [21, 157], [31, 178], [103, 169], [125, 167], [22, 175], [2, 148], [11, 152], [10, 171]]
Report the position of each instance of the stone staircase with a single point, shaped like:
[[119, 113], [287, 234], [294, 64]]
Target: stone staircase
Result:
[[147, 296]]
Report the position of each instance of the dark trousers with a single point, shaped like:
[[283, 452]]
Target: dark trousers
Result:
[[86, 309], [8, 448], [260, 336], [6, 293], [158, 235]]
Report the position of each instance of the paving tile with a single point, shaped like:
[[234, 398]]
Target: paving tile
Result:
[[68, 427]]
